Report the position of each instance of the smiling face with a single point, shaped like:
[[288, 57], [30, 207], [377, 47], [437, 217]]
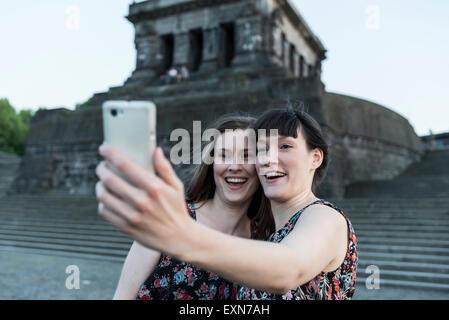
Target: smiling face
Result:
[[289, 172], [235, 179]]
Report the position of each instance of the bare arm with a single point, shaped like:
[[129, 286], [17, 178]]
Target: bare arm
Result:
[[139, 264], [272, 267]]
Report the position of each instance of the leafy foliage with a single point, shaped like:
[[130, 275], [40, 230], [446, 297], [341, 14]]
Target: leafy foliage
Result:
[[13, 128]]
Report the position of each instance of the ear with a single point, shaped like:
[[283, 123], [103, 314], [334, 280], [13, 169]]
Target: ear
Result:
[[317, 158]]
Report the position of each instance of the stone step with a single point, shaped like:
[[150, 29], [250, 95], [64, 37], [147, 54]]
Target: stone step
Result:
[[393, 228], [406, 266], [396, 207], [373, 200], [417, 276], [443, 287], [67, 221], [119, 238], [28, 205], [399, 221], [404, 241], [400, 234], [436, 210], [62, 230], [396, 189], [403, 257], [52, 253], [57, 225], [48, 198], [66, 242], [65, 248], [90, 217], [403, 249], [50, 212]]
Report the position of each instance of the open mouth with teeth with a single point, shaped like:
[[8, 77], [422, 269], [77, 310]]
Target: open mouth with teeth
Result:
[[235, 182], [274, 175]]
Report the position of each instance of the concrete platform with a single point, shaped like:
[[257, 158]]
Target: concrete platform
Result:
[[31, 276]]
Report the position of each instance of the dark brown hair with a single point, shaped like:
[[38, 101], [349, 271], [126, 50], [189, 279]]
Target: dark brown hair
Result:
[[202, 186], [288, 121]]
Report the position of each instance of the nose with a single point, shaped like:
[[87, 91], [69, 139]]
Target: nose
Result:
[[235, 165], [267, 158], [263, 159]]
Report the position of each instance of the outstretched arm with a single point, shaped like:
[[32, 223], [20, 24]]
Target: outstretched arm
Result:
[[139, 264], [155, 215]]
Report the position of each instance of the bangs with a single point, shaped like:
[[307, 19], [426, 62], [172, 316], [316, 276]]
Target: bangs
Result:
[[285, 121]]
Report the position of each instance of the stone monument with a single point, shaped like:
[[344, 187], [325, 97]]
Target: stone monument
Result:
[[244, 56]]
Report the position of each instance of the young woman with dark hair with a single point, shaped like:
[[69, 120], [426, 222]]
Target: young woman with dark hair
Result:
[[312, 254], [238, 209]]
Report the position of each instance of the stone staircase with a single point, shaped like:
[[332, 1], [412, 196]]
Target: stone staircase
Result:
[[427, 178], [9, 164], [59, 225], [406, 237], [402, 225]]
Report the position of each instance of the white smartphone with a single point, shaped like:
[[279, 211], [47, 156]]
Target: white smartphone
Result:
[[130, 127]]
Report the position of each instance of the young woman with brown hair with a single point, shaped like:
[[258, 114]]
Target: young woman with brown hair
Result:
[[225, 196]]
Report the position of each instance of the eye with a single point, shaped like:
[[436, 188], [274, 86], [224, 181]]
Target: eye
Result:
[[285, 146], [221, 155]]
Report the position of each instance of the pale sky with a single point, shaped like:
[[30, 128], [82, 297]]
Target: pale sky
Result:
[[393, 52]]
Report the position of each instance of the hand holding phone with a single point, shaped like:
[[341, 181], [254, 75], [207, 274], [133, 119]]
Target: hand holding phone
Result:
[[130, 127]]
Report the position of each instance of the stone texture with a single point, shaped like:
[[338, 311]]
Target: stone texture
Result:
[[368, 141]]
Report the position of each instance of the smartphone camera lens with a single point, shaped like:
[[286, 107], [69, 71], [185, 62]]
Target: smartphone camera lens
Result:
[[114, 112]]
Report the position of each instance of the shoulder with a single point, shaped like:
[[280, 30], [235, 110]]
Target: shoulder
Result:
[[324, 216]]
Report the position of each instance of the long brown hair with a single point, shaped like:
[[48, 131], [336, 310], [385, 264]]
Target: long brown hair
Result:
[[202, 186]]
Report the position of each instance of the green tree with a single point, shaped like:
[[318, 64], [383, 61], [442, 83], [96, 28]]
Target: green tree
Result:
[[85, 104], [13, 128]]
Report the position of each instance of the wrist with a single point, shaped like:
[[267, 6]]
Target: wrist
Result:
[[184, 241]]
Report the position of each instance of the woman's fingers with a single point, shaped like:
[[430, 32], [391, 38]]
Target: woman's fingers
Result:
[[121, 188], [144, 179], [115, 210], [165, 170], [113, 218]]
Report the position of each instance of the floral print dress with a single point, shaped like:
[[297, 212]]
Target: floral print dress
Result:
[[176, 280], [335, 285]]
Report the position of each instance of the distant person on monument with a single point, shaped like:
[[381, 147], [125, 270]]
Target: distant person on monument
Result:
[[172, 75], [185, 74]]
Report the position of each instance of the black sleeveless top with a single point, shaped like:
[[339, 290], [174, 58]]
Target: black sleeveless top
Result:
[[334, 285], [176, 280]]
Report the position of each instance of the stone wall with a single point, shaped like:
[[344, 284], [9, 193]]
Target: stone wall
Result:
[[368, 141], [61, 152], [61, 148]]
